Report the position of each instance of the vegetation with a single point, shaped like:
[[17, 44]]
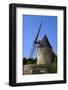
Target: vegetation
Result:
[[52, 68], [29, 61]]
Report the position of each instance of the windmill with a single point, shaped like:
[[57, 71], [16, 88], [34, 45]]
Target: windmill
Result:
[[43, 49], [45, 55]]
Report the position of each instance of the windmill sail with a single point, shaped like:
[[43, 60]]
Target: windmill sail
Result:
[[33, 47], [38, 32]]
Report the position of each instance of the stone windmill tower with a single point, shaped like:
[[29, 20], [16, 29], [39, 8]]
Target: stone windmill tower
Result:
[[44, 49]]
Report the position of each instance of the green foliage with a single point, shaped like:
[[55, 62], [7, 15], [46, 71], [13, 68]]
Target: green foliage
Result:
[[52, 67], [54, 64], [29, 61], [55, 59]]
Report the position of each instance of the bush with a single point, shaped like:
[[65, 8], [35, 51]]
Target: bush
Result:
[[29, 61]]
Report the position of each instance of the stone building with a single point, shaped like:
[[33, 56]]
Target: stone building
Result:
[[44, 51]]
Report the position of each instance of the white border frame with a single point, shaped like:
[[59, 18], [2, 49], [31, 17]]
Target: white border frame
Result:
[[45, 77]]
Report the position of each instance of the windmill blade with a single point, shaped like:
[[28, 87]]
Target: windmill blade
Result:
[[33, 47], [32, 51], [38, 32], [35, 52]]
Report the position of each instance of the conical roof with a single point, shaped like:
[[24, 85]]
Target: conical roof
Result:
[[45, 42]]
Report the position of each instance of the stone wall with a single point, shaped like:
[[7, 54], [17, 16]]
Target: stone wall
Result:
[[44, 55], [34, 69]]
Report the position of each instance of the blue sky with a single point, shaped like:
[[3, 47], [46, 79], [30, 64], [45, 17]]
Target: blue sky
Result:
[[31, 26]]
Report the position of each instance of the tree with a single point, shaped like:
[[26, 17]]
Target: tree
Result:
[[29, 61], [24, 61]]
